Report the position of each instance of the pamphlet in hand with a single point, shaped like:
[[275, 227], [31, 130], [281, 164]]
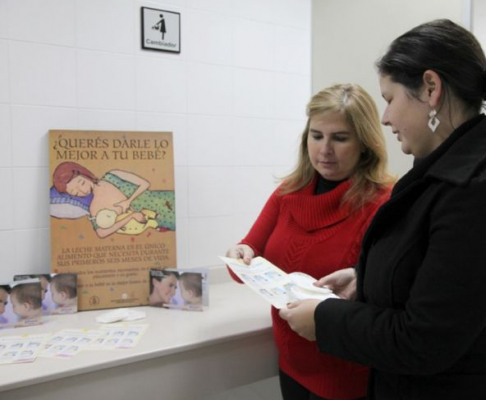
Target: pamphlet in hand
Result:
[[275, 285]]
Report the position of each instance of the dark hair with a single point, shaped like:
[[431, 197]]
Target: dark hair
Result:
[[7, 288], [446, 48], [160, 275]]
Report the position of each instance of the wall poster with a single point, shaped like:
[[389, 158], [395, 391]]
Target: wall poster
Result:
[[112, 212]]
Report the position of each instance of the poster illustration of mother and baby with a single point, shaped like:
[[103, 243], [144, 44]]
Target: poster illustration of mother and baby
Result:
[[112, 212]]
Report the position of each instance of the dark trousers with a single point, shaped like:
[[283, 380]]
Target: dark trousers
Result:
[[293, 390]]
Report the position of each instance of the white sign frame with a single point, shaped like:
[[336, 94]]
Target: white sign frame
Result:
[[161, 30]]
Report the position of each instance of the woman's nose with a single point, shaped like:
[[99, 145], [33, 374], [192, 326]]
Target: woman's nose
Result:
[[326, 148], [384, 119]]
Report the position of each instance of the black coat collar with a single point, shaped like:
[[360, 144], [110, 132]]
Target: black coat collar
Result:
[[463, 158], [455, 160]]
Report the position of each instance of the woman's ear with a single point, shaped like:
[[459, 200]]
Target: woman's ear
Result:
[[433, 88]]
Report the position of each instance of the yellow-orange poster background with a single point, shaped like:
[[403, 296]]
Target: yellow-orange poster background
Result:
[[112, 271]]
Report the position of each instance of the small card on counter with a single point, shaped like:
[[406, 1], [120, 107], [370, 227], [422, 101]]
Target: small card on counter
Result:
[[118, 336], [69, 342], [21, 349]]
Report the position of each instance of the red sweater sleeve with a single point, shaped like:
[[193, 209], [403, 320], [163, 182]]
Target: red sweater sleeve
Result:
[[264, 225], [261, 229]]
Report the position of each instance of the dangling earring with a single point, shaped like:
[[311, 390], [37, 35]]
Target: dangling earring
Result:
[[433, 121]]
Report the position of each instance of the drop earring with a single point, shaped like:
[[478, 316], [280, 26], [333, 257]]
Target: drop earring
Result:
[[433, 121]]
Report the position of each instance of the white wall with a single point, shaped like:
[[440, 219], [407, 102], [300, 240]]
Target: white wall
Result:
[[478, 20], [350, 35], [234, 98]]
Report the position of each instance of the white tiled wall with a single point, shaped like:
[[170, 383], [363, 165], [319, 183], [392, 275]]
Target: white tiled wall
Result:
[[234, 99]]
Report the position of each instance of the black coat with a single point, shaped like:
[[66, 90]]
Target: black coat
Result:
[[420, 318]]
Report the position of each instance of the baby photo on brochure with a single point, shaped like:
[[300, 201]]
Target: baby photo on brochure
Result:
[[179, 288], [59, 292], [20, 304]]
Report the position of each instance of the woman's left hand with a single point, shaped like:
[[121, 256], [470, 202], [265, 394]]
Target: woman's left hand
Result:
[[124, 205], [300, 316]]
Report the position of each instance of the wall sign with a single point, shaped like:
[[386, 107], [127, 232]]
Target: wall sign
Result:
[[161, 30]]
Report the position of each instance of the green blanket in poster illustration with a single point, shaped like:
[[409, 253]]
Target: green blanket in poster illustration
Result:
[[112, 212]]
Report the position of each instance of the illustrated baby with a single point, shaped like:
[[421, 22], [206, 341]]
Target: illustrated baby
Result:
[[106, 218]]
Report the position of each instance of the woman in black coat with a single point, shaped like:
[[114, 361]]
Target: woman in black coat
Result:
[[419, 319]]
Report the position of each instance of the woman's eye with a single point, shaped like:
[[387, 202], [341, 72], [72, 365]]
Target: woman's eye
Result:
[[340, 138]]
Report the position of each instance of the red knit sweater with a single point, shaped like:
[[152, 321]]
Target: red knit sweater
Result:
[[314, 234]]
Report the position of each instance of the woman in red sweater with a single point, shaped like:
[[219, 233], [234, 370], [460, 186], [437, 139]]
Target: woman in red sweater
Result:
[[314, 223]]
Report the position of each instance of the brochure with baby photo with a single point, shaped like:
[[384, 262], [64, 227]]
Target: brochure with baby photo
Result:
[[59, 292], [112, 212], [184, 289], [20, 304], [274, 285]]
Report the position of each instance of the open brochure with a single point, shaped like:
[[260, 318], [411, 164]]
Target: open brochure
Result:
[[274, 285], [21, 349]]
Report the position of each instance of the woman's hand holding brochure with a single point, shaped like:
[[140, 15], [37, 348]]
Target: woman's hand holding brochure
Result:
[[304, 287], [242, 251]]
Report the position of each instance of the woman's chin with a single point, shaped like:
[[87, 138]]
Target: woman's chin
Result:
[[406, 149]]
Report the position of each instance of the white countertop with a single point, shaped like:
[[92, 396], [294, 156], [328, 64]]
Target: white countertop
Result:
[[234, 311]]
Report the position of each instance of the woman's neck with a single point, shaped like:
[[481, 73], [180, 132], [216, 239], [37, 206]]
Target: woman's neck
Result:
[[324, 185]]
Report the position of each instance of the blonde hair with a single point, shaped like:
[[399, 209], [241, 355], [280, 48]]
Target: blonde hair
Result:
[[361, 115]]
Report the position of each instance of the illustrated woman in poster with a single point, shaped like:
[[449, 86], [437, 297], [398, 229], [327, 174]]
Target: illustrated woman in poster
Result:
[[121, 201]]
